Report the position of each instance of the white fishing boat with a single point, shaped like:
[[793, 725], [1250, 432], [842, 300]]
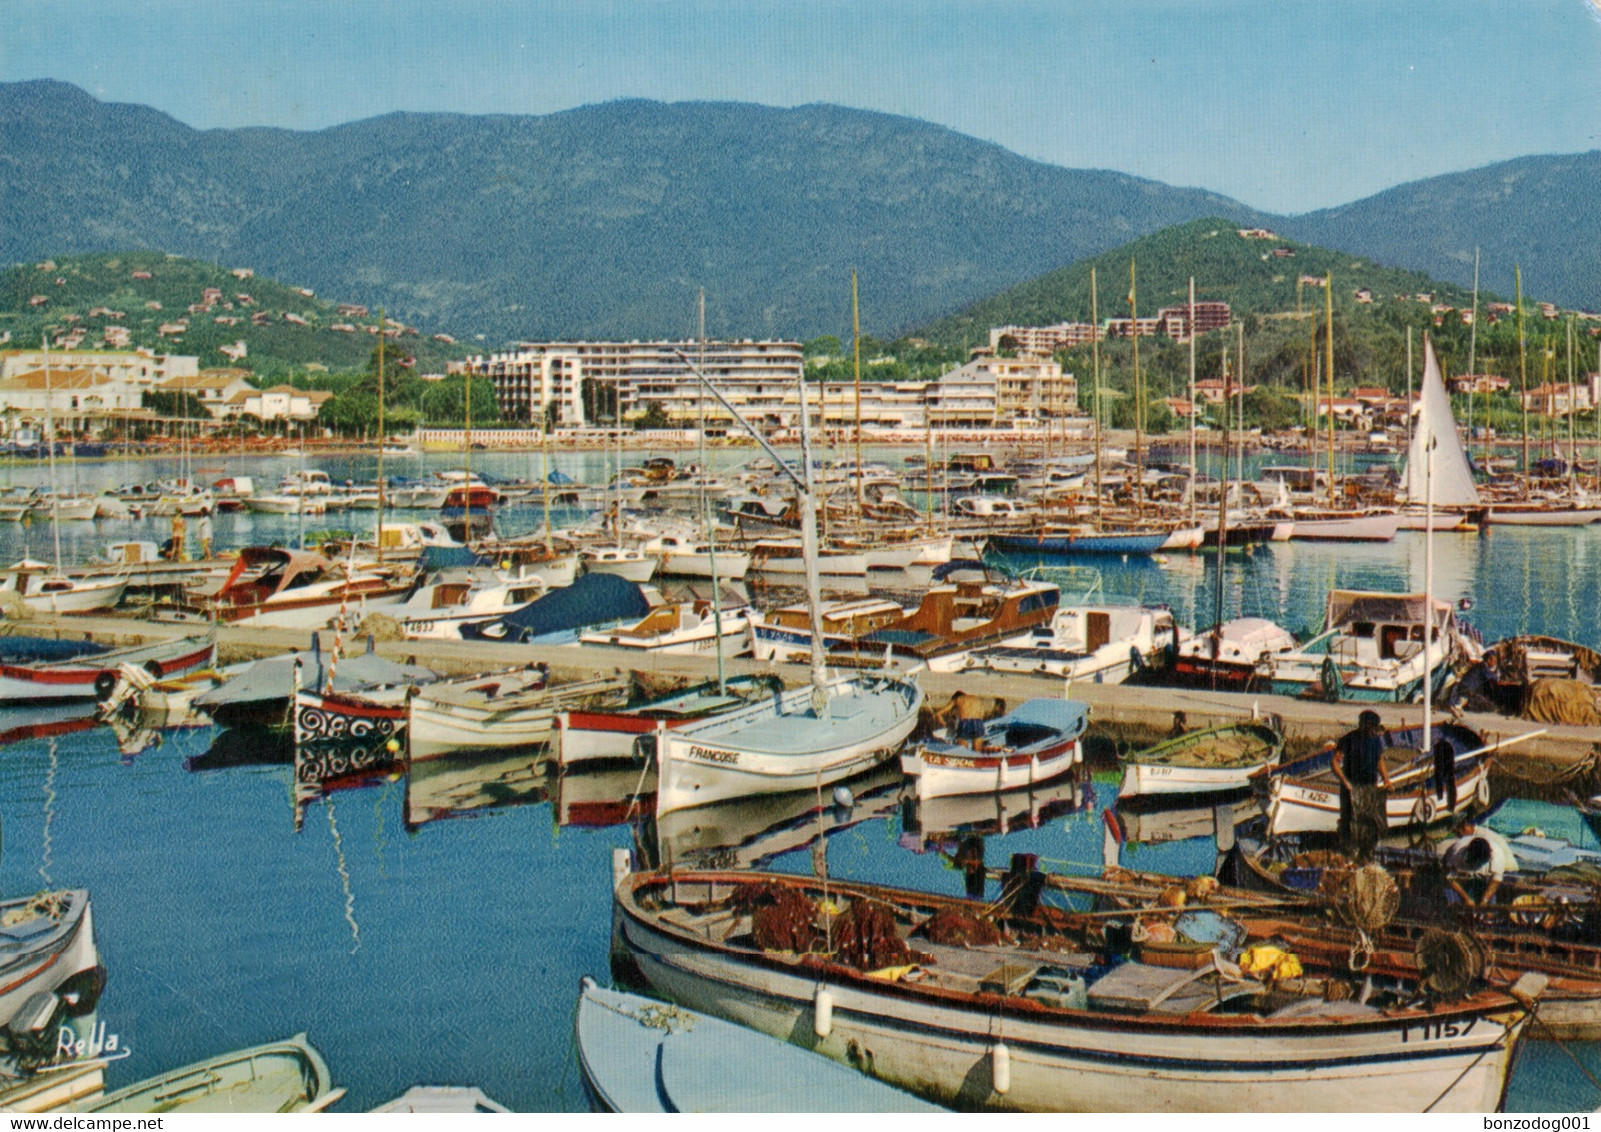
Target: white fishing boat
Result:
[[93, 674], [279, 504], [1100, 644], [1036, 742], [785, 556], [1020, 1027], [1200, 762], [47, 945], [73, 508], [677, 627], [1333, 525], [499, 710], [599, 735]]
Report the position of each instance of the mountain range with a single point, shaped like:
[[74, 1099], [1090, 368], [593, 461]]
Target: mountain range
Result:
[[605, 221]]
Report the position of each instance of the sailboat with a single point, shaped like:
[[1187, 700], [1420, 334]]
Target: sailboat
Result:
[[805, 738], [1435, 431]]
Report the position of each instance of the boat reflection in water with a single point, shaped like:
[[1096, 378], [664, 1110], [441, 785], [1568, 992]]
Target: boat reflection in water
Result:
[[437, 789], [934, 820], [749, 833], [595, 797], [19, 724]]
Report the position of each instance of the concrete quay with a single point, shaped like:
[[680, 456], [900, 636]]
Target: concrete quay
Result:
[[1136, 713]]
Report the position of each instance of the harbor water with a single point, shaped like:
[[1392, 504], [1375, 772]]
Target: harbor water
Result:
[[435, 932]]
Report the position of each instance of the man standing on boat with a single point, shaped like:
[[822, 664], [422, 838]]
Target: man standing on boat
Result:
[[1359, 763]]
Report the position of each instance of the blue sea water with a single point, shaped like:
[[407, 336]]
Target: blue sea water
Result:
[[451, 953]]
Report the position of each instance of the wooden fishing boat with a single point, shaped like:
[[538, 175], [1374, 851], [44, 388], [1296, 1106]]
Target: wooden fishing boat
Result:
[[1230, 655], [1304, 795], [286, 1076], [57, 1088], [338, 734], [1032, 744], [616, 734], [258, 696], [498, 710], [1021, 1025], [786, 633], [639, 1055], [1096, 644], [1204, 761], [1514, 665], [808, 737], [443, 1100], [95, 676], [969, 611]]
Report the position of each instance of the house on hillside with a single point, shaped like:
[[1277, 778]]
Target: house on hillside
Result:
[[213, 388]]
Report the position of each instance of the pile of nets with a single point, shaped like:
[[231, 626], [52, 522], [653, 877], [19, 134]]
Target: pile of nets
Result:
[[954, 928], [866, 938], [781, 918]]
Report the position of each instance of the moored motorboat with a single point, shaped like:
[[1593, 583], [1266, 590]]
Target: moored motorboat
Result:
[[1230, 654], [270, 586], [1032, 744], [44, 589], [679, 627], [786, 633], [623, 561], [1097, 644]]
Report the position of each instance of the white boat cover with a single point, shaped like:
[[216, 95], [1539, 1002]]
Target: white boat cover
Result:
[[1453, 477]]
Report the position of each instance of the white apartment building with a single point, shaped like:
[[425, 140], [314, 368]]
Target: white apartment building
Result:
[[280, 403], [141, 367], [213, 388], [537, 374]]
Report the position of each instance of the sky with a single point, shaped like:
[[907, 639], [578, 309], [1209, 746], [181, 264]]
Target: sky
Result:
[[1285, 105]]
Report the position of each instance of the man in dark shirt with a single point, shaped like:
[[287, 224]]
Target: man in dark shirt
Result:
[[1359, 764]]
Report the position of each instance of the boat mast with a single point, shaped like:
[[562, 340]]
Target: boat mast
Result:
[[466, 449], [1239, 401], [1192, 401], [1222, 519], [1139, 401], [856, 366], [1409, 391], [1573, 406], [380, 436], [1428, 580], [1328, 347], [706, 514], [1095, 355], [50, 449], [1473, 352], [1523, 375]]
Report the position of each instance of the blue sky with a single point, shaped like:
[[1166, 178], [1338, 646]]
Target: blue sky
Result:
[[1287, 105]]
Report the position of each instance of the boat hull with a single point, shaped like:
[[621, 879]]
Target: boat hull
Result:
[[940, 776], [943, 1047], [96, 676]]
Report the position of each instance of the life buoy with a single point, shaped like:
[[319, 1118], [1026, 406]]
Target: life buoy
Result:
[[1482, 791], [1424, 810], [105, 684]]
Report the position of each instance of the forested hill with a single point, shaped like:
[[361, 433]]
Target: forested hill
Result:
[[602, 221]]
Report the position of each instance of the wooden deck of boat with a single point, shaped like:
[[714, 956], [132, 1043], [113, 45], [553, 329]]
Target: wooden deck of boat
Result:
[[1133, 706]]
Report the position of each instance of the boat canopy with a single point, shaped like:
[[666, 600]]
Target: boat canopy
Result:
[[1065, 716], [1348, 606], [1453, 477], [591, 600], [272, 678]]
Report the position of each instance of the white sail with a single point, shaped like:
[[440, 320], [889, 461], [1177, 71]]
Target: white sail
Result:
[[1453, 478]]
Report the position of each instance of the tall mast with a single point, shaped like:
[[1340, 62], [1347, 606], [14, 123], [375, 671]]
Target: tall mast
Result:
[[1573, 407], [706, 511], [380, 535], [1523, 375], [1428, 585], [814, 588], [1409, 389], [466, 448], [50, 449], [1095, 354], [856, 366], [1239, 401], [1192, 401], [1222, 516], [1139, 400], [1328, 346], [544, 473]]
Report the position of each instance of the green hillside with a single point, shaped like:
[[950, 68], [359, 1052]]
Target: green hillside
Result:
[[1261, 280], [79, 298]]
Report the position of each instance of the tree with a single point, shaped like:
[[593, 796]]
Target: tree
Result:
[[442, 403], [654, 416]]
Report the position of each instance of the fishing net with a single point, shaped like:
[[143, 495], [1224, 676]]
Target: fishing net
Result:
[[1367, 898], [866, 938], [955, 928], [1563, 701], [781, 918], [380, 627], [1450, 962]]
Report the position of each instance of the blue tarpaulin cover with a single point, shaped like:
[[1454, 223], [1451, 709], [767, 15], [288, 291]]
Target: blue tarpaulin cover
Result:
[[591, 600], [46, 650]]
